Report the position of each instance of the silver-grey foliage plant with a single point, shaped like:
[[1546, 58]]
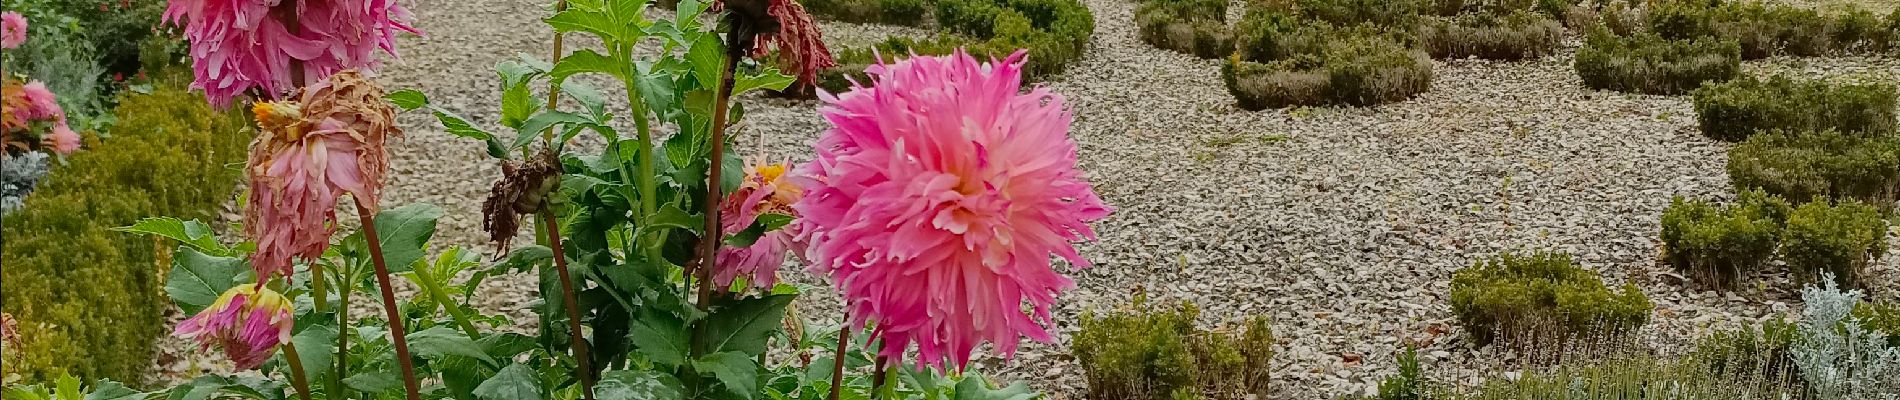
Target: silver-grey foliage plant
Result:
[[1839, 358]]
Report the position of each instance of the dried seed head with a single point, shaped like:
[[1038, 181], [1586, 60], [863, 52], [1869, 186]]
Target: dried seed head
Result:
[[523, 189]]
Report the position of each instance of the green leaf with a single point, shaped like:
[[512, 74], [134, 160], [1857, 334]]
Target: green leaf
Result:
[[316, 344], [442, 341], [456, 125], [517, 103], [975, 387], [530, 130], [671, 216], [404, 233], [588, 97], [586, 61], [196, 279], [742, 326], [598, 23], [771, 79], [518, 72], [407, 99], [192, 233], [517, 381], [637, 385], [374, 381], [686, 13], [737, 372], [525, 259], [106, 389], [708, 58], [654, 84], [661, 336]]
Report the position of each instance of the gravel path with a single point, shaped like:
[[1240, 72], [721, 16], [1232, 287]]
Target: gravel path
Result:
[[1344, 225]]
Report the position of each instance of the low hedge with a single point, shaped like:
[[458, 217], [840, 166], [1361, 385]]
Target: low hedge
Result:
[[1735, 109], [88, 298], [1282, 60], [1515, 36], [1542, 296], [1197, 27], [1646, 63], [1763, 30], [1840, 239], [1158, 354], [1714, 244], [1802, 167], [889, 12], [1056, 32], [1390, 13]]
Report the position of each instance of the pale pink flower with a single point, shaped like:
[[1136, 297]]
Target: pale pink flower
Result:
[[43, 105], [12, 30], [305, 157], [63, 139], [764, 191], [248, 322], [939, 198], [240, 45]]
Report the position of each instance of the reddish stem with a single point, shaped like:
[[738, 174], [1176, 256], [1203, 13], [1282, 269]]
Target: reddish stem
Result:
[[837, 359], [579, 341], [396, 330]]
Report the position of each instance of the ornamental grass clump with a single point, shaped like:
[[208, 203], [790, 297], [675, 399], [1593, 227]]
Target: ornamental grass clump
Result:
[[1716, 245], [1739, 108], [1514, 36], [1806, 166], [1542, 297], [1197, 27], [1840, 240], [1649, 64], [1156, 353]]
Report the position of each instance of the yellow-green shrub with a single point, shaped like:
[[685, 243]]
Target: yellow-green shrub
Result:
[[88, 298], [1158, 354], [1510, 295], [1834, 239]]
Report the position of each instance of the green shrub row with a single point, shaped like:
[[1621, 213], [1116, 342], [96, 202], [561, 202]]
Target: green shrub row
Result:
[[1840, 239], [1716, 245], [1056, 32], [1764, 30], [1735, 109], [1803, 167], [88, 298], [1542, 297], [889, 12], [1197, 27], [1515, 36], [1359, 71], [1158, 354], [1649, 64]]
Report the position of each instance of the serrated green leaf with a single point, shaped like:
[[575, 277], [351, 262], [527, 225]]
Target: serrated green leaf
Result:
[[517, 103], [975, 387], [737, 372], [661, 336], [407, 99], [530, 130], [742, 326], [671, 216], [588, 61], [517, 72], [197, 279], [314, 341], [374, 381], [708, 59], [404, 233], [598, 23], [517, 381], [192, 233], [637, 385], [654, 84], [442, 341], [770, 79], [456, 125], [588, 97]]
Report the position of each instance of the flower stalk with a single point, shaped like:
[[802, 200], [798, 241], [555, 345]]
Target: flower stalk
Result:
[[298, 380], [714, 189], [397, 333], [579, 344], [837, 358]]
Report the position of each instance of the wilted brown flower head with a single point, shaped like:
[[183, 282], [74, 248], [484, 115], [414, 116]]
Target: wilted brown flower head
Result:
[[523, 189], [762, 25]]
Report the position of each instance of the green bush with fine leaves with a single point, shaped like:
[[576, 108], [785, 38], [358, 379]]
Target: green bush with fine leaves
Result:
[[1156, 353], [1055, 32], [1841, 239], [1717, 244], [1197, 27], [1736, 109], [1805, 166], [1650, 64], [1508, 297]]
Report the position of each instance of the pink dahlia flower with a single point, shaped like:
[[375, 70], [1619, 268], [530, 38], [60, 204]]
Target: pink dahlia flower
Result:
[[939, 198], [12, 30], [764, 191], [305, 158], [43, 105], [248, 322], [239, 45], [63, 139]]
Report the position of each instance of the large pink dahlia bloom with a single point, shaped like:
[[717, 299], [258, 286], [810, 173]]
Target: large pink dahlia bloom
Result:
[[306, 156], [765, 191], [12, 29], [937, 201], [239, 45], [248, 322]]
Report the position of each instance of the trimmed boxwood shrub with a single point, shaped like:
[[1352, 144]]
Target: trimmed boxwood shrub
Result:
[[1158, 354], [1841, 239], [1646, 63], [1802, 167], [88, 298], [1508, 297], [1055, 32], [1735, 109], [890, 12], [1197, 27], [1515, 36], [1715, 244]]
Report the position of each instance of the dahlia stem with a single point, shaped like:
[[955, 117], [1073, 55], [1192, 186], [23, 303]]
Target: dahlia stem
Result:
[[396, 329], [878, 380], [441, 297], [297, 379], [714, 188], [319, 294], [554, 87], [344, 288], [579, 341], [837, 359]]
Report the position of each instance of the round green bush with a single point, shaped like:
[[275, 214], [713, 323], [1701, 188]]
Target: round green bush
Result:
[[1764, 29], [1197, 27], [1736, 109], [1716, 245], [1282, 60], [1649, 64], [1541, 297], [1802, 167], [1839, 239], [1516, 36], [1055, 33], [1156, 353]]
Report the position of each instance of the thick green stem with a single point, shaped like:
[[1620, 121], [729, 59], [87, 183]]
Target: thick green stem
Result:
[[344, 288], [298, 380], [397, 333], [425, 279], [319, 290]]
